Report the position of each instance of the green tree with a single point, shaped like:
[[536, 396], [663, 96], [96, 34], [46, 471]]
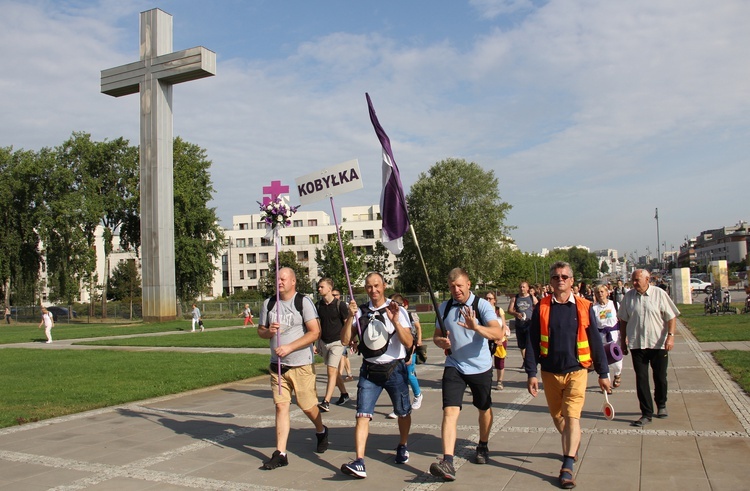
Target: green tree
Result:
[[517, 266], [125, 282], [287, 259], [20, 215], [65, 225], [198, 237], [585, 264], [604, 269], [105, 174], [331, 266], [459, 220]]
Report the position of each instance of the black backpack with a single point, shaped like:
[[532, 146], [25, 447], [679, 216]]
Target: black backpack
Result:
[[364, 322], [298, 298]]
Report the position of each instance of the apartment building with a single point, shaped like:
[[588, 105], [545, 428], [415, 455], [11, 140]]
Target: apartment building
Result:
[[249, 250]]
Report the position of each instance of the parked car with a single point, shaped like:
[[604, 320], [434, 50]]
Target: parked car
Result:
[[698, 285], [61, 313]]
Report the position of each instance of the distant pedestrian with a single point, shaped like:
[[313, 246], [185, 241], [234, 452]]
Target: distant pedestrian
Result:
[[521, 307], [48, 322], [499, 348], [605, 317], [333, 314], [197, 318], [411, 359], [7, 314], [248, 314], [345, 366]]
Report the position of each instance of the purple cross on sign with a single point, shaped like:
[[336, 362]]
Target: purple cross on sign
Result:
[[275, 190]]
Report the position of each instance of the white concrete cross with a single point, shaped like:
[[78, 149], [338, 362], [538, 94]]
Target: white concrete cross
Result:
[[153, 76]]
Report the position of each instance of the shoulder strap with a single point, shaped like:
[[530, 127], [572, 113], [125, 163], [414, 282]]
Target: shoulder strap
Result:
[[475, 306], [298, 299], [448, 307]]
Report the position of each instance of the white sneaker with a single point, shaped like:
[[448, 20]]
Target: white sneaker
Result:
[[392, 415], [48, 342], [417, 402]]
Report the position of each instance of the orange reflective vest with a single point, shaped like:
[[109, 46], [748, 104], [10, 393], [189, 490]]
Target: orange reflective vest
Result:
[[582, 308]]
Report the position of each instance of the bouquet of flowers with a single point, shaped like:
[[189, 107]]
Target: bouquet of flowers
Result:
[[277, 213]]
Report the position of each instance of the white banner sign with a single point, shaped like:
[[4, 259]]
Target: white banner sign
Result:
[[331, 181]]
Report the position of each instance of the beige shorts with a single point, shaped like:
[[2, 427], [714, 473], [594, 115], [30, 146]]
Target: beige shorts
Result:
[[331, 352], [301, 381], [565, 393]]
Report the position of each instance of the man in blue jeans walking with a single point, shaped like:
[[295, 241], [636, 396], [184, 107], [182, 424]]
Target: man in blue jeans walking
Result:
[[385, 331]]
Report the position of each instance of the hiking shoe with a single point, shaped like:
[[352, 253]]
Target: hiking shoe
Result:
[[417, 402], [322, 440], [482, 455], [444, 470], [324, 406], [402, 454], [277, 460], [343, 399], [355, 468]]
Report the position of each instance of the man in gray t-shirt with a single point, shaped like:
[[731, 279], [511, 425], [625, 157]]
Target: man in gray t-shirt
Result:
[[292, 327]]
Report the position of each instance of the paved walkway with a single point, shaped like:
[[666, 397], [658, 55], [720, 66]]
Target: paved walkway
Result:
[[217, 438]]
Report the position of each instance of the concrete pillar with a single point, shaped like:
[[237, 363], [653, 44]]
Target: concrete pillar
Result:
[[681, 286]]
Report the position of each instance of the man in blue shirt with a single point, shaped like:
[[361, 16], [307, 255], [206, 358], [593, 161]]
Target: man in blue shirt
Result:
[[468, 364]]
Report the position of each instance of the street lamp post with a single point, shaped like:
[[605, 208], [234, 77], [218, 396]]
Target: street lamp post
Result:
[[658, 239]]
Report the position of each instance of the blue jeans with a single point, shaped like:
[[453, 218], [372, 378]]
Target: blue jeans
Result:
[[396, 386], [411, 371]]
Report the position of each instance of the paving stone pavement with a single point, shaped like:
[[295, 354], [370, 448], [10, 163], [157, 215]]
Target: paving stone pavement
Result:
[[217, 439]]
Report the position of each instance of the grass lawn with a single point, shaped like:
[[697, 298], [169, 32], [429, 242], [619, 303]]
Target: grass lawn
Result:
[[234, 338], [28, 333], [705, 328], [737, 363], [727, 327], [40, 384]]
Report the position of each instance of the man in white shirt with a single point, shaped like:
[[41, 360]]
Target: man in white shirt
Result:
[[648, 319]]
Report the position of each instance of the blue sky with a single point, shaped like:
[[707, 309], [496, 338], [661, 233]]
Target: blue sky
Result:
[[591, 114]]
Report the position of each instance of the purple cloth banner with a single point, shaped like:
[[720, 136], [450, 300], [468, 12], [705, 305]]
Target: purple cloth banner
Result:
[[392, 200]]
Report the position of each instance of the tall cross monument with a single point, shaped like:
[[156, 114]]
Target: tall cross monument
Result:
[[153, 76]]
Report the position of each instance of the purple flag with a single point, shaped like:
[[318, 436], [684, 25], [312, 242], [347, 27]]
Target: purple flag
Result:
[[392, 200]]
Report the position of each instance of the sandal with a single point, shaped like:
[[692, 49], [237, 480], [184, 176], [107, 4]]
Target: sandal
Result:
[[616, 383], [565, 482]]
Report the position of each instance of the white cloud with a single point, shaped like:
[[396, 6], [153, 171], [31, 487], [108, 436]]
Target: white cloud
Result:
[[571, 103]]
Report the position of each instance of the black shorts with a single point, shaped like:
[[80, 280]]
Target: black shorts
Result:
[[454, 385], [522, 334]]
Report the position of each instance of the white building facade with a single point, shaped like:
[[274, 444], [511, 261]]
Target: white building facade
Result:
[[248, 253]]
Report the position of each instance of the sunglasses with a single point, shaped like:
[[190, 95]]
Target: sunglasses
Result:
[[558, 277]]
